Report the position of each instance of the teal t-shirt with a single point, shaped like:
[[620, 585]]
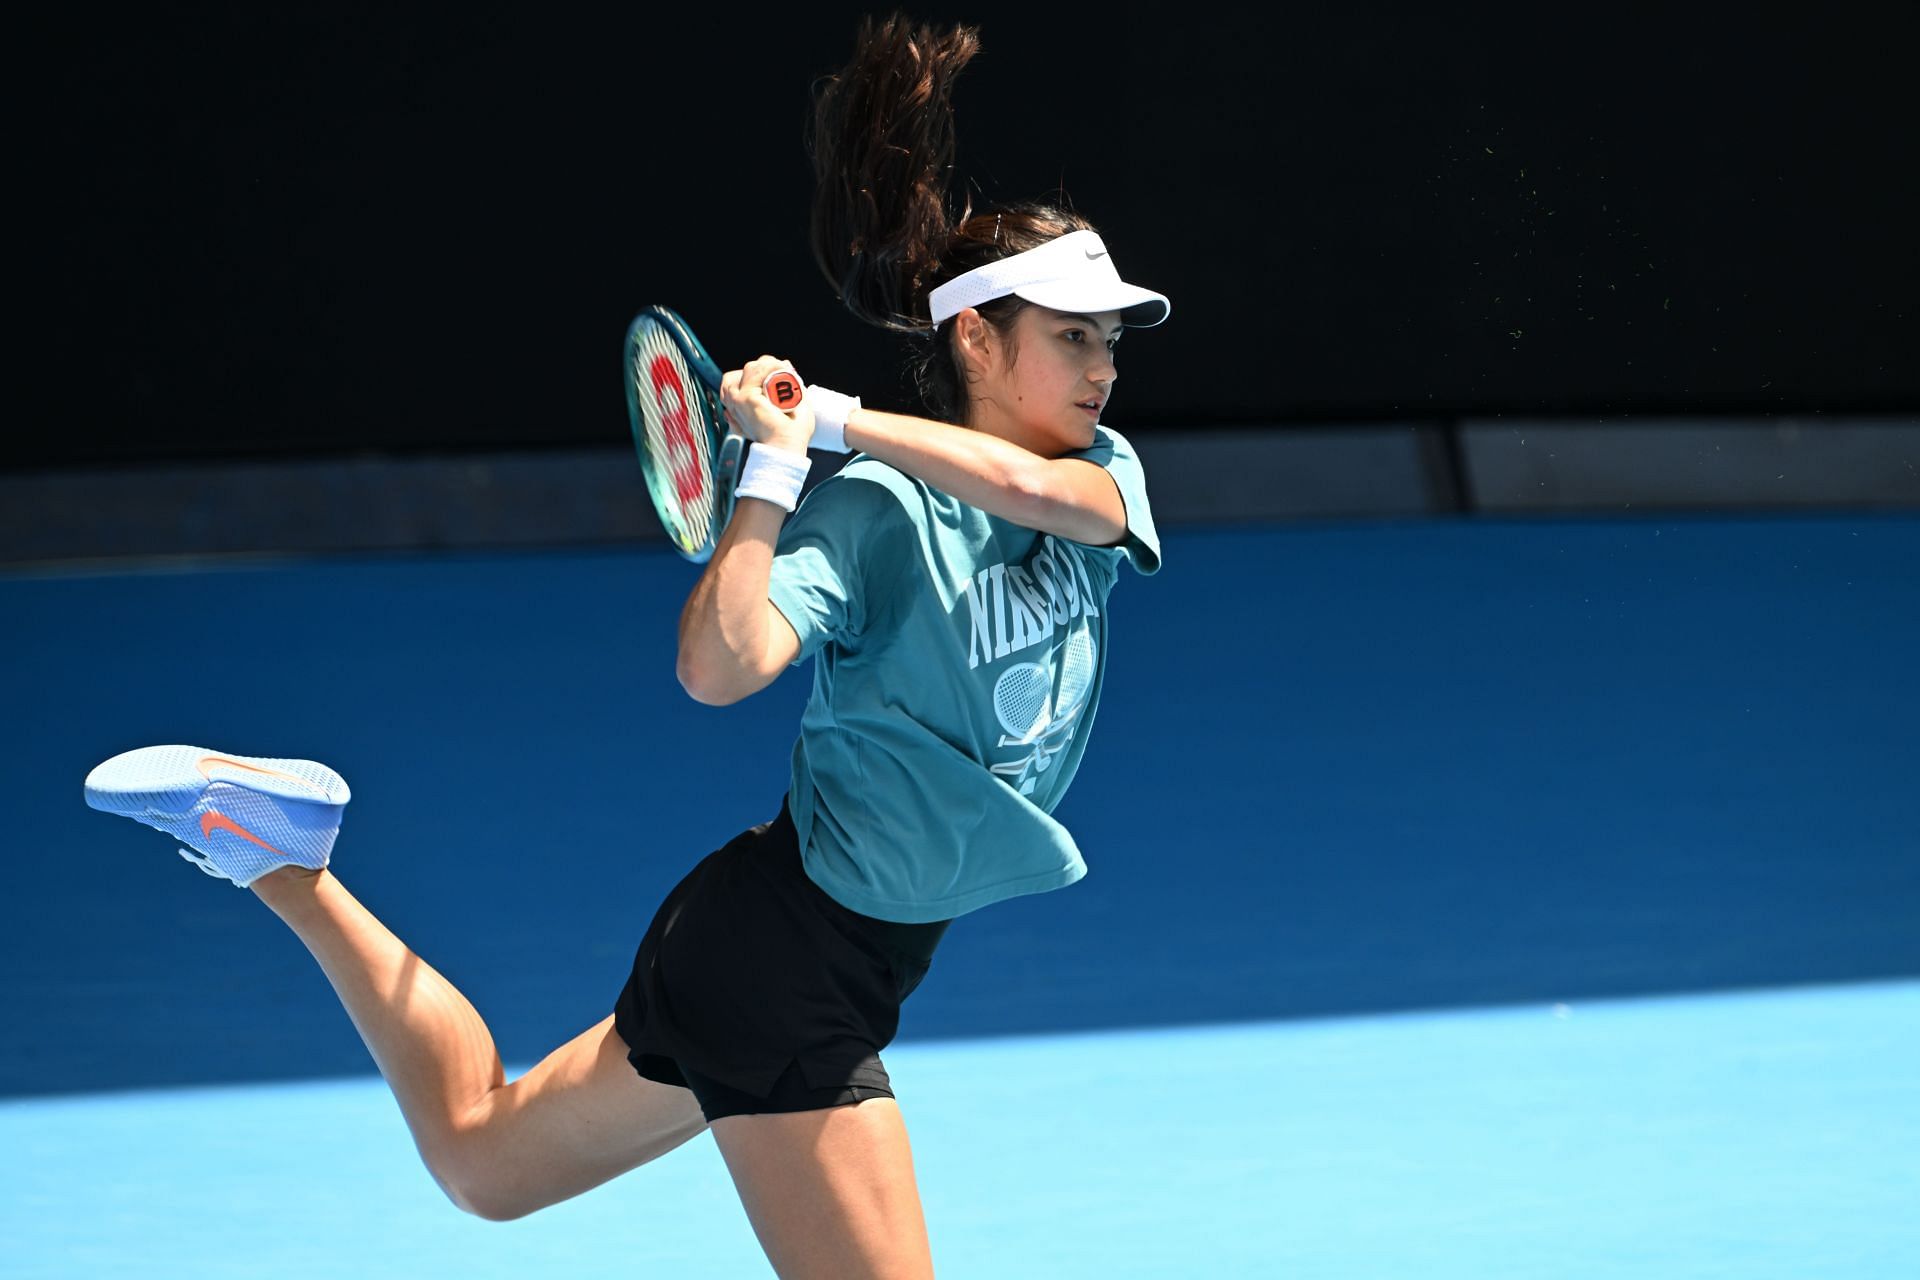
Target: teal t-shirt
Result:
[[958, 660]]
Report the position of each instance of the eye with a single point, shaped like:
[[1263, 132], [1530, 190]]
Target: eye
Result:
[[1075, 335]]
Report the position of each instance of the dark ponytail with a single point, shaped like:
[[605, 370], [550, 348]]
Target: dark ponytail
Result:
[[883, 229]]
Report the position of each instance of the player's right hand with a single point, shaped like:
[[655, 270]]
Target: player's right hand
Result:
[[755, 417]]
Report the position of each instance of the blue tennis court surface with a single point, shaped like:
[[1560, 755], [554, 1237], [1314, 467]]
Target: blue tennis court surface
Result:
[[1481, 898], [1754, 1136]]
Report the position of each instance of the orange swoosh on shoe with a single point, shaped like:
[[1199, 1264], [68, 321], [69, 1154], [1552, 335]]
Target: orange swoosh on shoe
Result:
[[212, 822]]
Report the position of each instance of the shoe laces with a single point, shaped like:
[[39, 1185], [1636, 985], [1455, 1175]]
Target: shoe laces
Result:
[[205, 864]]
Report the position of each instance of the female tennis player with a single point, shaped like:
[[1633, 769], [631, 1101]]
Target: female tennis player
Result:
[[951, 586]]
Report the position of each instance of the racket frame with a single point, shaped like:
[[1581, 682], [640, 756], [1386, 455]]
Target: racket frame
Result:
[[725, 447]]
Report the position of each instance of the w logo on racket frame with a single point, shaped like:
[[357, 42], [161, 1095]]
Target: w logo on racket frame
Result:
[[1039, 706]]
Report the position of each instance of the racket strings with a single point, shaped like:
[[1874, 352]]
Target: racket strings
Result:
[[678, 421]]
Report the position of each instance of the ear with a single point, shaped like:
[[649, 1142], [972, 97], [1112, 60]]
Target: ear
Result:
[[972, 339]]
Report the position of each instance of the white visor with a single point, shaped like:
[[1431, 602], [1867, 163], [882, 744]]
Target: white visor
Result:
[[1071, 273]]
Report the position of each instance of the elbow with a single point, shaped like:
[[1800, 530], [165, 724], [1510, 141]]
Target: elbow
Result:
[[706, 685], [1049, 500], [711, 694]]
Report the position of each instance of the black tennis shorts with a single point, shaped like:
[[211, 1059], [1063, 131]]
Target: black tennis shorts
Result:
[[760, 993]]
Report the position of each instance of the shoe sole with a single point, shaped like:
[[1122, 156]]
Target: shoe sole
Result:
[[169, 781]]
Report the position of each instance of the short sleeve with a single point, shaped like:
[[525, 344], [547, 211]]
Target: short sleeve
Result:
[[829, 552], [1114, 452]]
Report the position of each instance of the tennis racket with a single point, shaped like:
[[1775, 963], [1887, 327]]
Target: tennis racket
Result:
[[689, 454]]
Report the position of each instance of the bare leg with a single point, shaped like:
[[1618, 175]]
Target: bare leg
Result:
[[498, 1150], [830, 1193]]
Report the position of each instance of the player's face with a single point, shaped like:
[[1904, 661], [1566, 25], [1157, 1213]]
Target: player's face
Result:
[[1050, 384]]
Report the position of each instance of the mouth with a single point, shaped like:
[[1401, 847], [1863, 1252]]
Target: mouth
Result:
[[1091, 406]]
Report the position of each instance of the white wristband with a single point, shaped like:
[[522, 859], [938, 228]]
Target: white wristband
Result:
[[830, 410], [774, 475]]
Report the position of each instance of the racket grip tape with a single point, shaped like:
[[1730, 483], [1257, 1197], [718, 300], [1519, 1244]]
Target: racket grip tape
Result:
[[784, 388]]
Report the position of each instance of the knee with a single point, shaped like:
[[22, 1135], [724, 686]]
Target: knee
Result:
[[494, 1210], [476, 1188], [488, 1203]]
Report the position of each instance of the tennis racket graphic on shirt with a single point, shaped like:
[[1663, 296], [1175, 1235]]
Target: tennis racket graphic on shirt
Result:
[[689, 454], [1036, 713]]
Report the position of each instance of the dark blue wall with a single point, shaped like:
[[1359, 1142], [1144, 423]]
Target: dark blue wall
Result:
[[1341, 768]]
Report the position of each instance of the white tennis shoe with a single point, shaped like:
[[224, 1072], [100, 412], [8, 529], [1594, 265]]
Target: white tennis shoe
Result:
[[242, 816]]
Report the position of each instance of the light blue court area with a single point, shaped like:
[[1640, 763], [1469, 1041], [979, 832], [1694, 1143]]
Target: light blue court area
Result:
[[1364, 805], [1754, 1136]]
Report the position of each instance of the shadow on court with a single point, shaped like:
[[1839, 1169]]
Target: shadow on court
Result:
[[1337, 770]]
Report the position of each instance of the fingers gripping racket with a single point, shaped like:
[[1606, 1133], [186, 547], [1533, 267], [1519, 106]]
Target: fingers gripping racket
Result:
[[689, 454]]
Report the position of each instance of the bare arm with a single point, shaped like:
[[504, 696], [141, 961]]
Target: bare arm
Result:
[[1068, 497], [733, 642]]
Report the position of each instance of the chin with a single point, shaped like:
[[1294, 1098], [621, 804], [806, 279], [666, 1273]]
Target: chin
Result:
[[1077, 438]]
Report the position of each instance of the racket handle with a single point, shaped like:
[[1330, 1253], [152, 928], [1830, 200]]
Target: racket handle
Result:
[[784, 388]]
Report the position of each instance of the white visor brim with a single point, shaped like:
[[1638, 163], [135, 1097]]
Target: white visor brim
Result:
[[1073, 273]]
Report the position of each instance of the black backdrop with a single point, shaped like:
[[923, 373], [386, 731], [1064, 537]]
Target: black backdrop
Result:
[[422, 230]]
